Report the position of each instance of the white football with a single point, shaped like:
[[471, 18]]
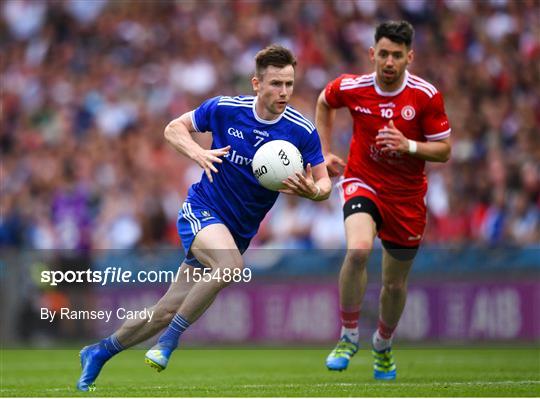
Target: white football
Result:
[[274, 162]]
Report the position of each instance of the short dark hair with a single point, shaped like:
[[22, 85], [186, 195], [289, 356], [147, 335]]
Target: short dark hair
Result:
[[397, 31], [274, 55]]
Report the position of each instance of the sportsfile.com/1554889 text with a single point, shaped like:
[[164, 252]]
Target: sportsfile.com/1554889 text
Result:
[[113, 274]]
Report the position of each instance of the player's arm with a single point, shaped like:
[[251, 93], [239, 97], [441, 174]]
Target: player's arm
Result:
[[178, 134], [322, 181], [315, 185], [391, 139], [433, 151], [324, 121]]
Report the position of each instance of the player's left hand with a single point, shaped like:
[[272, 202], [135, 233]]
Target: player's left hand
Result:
[[301, 185], [391, 139]]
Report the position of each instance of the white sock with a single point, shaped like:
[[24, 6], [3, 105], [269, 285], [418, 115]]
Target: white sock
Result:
[[379, 343], [350, 333]]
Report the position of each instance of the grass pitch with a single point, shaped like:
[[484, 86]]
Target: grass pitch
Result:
[[270, 372]]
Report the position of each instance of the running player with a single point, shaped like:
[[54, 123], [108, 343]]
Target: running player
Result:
[[399, 123], [223, 211]]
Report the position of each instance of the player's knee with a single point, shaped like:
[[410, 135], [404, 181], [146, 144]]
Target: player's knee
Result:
[[227, 274], [395, 288], [358, 256]]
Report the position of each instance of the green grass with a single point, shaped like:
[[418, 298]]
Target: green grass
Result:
[[284, 372]]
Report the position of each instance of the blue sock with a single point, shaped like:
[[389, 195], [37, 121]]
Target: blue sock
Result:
[[112, 345], [169, 339]]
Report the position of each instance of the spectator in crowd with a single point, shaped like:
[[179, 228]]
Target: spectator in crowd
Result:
[[87, 87]]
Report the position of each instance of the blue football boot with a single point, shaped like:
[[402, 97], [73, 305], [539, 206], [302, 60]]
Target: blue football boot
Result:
[[339, 358], [93, 358]]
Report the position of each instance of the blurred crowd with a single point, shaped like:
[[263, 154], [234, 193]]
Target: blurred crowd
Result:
[[87, 88]]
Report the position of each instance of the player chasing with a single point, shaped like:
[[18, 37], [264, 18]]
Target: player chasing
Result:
[[222, 212], [399, 123]]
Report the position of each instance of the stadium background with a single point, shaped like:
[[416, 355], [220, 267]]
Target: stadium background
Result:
[[88, 86]]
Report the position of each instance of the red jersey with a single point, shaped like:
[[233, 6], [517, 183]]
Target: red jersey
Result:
[[417, 110]]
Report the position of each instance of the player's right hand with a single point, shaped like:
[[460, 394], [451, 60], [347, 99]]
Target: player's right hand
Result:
[[206, 159], [334, 164]]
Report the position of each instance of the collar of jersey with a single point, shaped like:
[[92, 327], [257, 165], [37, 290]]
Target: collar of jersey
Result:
[[259, 119], [391, 93]]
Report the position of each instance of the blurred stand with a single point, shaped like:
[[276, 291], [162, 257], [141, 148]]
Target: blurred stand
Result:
[[88, 87]]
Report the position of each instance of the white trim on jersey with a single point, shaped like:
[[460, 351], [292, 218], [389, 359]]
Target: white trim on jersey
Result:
[[357, 79], [381, 92], [238, 99], [438, 136], [368, 76], [422, 88], [349, 87], [353, 83], [360, 79], [416, 82], [419, 81], [231, 104], [289, 117], [192, 116], [300, 116]]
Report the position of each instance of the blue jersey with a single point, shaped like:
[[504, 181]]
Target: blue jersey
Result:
[[236, 195]]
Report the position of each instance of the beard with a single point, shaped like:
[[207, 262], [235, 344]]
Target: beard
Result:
[[390, 76]]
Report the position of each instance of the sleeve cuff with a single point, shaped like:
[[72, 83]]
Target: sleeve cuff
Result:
[[192, 115], [438, 136]]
